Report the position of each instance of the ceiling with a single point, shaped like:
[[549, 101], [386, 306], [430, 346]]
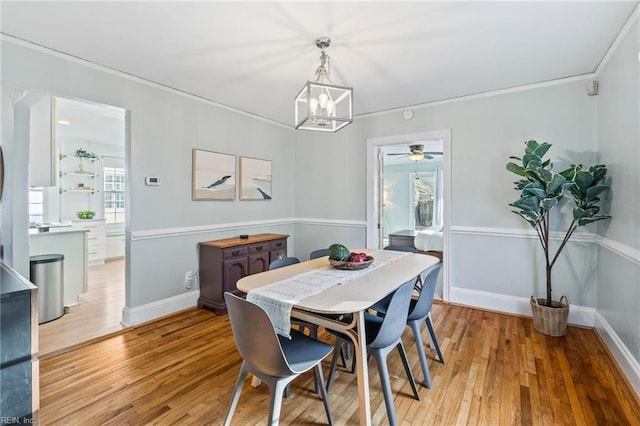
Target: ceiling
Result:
[[255, 57], [90, 122]]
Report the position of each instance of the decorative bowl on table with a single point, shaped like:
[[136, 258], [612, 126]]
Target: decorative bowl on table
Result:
[[351, 266]]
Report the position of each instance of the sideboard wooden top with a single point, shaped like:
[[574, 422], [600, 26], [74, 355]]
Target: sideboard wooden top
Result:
[[237, 241]]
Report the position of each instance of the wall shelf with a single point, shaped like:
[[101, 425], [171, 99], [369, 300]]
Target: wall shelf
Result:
[[85, 190], [80, 173]]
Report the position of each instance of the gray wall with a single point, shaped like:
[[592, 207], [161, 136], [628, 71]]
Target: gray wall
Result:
[[619, 146], [485, 132], [164, 129]]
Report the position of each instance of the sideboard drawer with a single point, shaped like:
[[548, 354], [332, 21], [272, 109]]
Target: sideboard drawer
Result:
[[279, 245], [235, 252], [258, 248]]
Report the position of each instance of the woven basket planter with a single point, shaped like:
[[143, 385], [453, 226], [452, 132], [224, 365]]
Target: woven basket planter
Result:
[[550, 321]]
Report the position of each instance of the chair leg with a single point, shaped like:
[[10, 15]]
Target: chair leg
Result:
[[337, 351], [276, 402], [236, 394], [383, 371], [325, 399], [417, 337], [434, 339], [407, 369]]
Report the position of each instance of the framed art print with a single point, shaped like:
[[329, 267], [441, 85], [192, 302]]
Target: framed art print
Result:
[[255, 179], [213, 176]]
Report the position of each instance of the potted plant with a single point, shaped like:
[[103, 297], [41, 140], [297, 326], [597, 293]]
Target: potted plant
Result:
[[540, 191], [83, 155]]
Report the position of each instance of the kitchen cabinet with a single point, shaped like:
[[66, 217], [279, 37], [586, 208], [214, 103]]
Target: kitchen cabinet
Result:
[[42, 143], [96, 239], [223, 262], [19, 365], [72, 243]]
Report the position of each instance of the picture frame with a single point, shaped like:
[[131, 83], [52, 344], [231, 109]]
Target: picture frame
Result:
[[255, 179], [213, 176]]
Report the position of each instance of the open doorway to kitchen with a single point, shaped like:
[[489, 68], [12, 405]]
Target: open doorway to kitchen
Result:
[[409, 194], [86, 197]]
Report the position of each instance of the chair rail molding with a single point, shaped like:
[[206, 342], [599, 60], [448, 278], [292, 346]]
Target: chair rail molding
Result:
[[148, 234], [629, 253]]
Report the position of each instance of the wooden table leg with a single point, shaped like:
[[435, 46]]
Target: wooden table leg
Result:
[[362, 372]]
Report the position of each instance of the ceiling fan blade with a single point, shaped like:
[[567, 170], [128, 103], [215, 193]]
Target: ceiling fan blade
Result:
[[398, 153], [432, 153]]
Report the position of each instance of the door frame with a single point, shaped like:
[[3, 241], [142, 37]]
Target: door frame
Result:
[[374, 190]]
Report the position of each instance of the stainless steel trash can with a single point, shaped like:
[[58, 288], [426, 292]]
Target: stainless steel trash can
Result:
[[46, 274]]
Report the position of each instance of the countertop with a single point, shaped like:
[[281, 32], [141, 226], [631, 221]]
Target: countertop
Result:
[[12, 282], [57, 230]]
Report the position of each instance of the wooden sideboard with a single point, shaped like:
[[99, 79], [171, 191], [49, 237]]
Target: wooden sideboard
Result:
[[223, 262]]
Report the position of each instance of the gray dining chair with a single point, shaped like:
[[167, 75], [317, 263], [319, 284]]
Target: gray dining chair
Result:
[[302, 325], [401, 248], [384, 334], [285, 261], [318, 253], [281, 263], [272, 358], [419, 312]]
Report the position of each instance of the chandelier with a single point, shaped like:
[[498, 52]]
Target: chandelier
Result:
[[321, 105]]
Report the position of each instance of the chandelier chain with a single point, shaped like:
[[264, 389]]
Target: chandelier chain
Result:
[[322, 73]]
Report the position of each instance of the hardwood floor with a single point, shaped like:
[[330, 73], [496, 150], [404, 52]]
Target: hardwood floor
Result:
[[182, 370], [99, 312]]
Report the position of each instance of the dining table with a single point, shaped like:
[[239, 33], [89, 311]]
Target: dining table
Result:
[[354, 294]]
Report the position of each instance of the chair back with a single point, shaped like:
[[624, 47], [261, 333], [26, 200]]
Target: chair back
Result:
[[285, 261], [319, 253], [425, 299], [255, 337], [395, 319], [401, 248]]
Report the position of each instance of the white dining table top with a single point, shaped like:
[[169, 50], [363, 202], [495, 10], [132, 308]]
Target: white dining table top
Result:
[[353, 296]]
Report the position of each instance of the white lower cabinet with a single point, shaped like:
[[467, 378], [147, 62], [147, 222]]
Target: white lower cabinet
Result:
[[115, 246], [96, 239]]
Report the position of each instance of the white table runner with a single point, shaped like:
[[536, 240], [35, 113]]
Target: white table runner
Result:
[[277, 299]]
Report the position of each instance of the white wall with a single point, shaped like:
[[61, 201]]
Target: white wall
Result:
[[163, 130], [618, 141]]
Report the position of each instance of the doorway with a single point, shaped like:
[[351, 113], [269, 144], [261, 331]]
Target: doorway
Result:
[[87, 194], [379, 192]]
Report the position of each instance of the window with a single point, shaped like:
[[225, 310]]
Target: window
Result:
[[113, 193], [36, 205]]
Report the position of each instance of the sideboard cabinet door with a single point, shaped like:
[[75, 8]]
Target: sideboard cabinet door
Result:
[[232, 271]]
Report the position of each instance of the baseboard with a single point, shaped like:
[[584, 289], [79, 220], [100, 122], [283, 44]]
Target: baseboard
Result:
[[627, 363], [160, 308], [578, 315]]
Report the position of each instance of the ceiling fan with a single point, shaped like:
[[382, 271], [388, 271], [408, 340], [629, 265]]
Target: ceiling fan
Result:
[[416, 153]]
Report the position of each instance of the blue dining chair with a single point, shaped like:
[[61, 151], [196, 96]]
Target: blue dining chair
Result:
[[318, 253], [384, 334], [419, 312], [285, 261], [272, 358]]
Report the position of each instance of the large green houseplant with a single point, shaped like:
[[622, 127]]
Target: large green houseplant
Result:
[[541, 190]]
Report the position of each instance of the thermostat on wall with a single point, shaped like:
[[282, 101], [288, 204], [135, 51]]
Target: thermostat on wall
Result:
[[152, 181]]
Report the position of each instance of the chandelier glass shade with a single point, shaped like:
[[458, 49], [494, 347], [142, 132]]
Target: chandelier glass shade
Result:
[[321, 105]]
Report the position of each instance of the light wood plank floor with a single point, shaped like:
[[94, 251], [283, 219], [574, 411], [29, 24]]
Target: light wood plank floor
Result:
[[182, 369], [99, 312]]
